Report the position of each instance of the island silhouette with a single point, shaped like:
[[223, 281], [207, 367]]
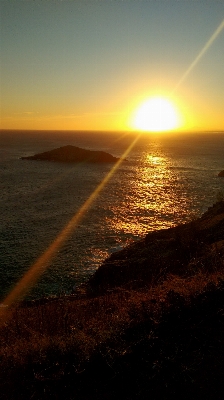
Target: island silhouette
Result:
[[73, 154]]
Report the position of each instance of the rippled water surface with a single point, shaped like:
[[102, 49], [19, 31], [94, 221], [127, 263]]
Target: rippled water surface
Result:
[[163, 181]]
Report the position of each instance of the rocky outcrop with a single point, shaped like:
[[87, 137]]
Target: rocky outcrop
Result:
[[181, 250], [73, 154]]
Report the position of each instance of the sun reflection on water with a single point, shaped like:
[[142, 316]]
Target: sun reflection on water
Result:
[[154, 160], [153, 199]]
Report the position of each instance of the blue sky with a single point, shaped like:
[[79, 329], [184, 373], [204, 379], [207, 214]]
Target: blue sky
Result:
[[88, 64]]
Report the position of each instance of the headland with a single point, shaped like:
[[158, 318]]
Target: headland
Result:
[[148, 324]]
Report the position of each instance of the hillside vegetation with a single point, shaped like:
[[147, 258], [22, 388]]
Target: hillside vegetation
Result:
[[148, 325]]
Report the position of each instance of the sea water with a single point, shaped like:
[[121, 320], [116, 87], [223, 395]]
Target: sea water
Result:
[[164, 181]]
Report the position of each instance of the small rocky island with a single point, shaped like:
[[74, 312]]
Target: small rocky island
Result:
[[73, 154]]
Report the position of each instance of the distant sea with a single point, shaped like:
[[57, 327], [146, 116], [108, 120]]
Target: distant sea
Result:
[[165, 180]]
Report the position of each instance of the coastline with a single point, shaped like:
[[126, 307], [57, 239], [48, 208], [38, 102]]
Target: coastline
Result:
[[152, 333], [135, 201]]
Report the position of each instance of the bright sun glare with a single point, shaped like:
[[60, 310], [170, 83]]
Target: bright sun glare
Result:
[[155, 115]]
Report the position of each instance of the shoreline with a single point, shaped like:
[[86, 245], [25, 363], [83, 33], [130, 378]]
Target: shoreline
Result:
[[128, 339]]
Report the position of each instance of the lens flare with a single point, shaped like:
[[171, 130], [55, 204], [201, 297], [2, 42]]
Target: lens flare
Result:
[[202, 52], [29, 279]]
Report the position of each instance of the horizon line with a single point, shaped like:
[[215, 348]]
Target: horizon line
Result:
[[117, 130]]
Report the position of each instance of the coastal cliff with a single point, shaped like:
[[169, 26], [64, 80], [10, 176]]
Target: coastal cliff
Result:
[[148, 324], [73, 154], [179, 250]]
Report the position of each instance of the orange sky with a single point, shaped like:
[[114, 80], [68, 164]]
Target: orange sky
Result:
[[88, 65]]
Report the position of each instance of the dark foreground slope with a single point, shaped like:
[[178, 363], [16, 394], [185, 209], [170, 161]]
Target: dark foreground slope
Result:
[[155, 333], [71, 154], [180, 250]]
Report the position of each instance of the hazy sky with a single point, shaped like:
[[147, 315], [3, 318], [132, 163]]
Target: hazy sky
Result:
[[87, 64]]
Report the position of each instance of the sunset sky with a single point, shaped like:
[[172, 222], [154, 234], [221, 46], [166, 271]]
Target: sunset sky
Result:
[[89, 64]]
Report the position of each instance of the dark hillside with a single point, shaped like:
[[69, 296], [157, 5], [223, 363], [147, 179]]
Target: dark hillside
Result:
[[149, 325], [181, 250]]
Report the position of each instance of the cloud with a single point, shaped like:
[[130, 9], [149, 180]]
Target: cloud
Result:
[[27, 113], [84, 115]]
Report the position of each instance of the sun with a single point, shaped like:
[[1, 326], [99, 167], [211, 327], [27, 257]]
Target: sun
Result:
[[156, 114]]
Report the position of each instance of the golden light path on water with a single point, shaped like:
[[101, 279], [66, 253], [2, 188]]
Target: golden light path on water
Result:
[[32, 275], [35, 271], [155, 185]]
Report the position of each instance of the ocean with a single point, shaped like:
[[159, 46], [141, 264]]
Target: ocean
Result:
[[164, 180]]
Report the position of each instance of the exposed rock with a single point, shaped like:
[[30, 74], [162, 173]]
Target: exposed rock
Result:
[[72, 154], [180, 250]]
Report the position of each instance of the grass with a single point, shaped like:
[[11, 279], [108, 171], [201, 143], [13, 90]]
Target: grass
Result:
[[39, 352], [160, 340]]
